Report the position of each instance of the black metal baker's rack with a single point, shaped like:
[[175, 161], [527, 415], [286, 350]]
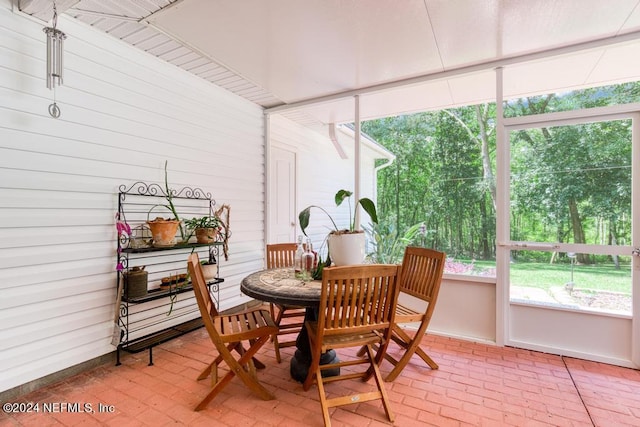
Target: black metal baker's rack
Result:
[[161, 314]]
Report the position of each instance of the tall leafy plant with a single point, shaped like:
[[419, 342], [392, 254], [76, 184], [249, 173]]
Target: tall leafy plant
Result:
[[342, 195], [389, 243], [168, 196]]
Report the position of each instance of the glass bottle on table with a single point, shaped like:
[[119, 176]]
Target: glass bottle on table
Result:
[[297, 262], [309, 260]]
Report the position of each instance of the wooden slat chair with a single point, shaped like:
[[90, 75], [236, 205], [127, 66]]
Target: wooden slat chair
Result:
[[356, 309], [228, 332], [420, 277], [281, 255]]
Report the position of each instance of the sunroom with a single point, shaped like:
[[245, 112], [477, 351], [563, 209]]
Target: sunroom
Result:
[[259, 104]]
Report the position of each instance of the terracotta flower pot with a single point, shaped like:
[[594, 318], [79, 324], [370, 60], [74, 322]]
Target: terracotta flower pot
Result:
[[163, 232], [206, 235]]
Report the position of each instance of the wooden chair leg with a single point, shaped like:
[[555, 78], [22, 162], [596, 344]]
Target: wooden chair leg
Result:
[[274, 338], [380, 352], [236, 367], [256, 363], [428, 360], [209, 369], [411, 346], [380, 382], [375, 347], [276, 319], [276, 347], [249, 380], [323, 399]]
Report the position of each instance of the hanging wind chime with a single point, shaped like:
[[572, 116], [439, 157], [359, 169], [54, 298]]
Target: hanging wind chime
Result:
[[55, 40]]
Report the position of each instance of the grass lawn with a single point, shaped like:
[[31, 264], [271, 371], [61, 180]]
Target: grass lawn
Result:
[[603, 277]]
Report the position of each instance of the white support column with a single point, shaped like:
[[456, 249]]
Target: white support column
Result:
[[502, 218], [356, 181], [635, 239], [267, 178]]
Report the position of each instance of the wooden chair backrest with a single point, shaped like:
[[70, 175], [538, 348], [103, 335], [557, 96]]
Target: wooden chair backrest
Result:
[[358, 298], [280, 255], [421, 273], [207, 307]]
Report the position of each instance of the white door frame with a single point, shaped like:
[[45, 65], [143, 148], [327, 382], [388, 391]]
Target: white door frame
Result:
[[268, 179], [505, 245], [280, 158]]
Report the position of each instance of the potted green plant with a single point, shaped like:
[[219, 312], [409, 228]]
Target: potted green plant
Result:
[[206, 228], [163, 230], [346, 246]]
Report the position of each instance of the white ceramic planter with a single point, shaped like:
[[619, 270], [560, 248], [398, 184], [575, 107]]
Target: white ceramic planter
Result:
[[209, 271], [347, 249]]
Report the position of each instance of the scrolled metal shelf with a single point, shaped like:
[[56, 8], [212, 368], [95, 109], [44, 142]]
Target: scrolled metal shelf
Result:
[[144, 189], [148, 326], [170, 248], [161, 293]]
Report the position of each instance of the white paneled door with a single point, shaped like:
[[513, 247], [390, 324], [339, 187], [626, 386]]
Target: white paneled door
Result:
[[282, 196]]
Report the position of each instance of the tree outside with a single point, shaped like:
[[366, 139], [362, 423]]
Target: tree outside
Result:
[[569, 184]]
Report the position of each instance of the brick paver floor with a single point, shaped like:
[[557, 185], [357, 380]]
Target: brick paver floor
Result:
[[476, 385]]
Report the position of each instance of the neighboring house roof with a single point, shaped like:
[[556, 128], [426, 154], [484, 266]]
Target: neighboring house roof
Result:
[[368, 141]]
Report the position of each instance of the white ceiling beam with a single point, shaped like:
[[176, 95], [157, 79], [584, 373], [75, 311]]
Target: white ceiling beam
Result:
[[489, 65]]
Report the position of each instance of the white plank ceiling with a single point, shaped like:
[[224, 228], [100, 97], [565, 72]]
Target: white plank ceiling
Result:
[[398, 55]]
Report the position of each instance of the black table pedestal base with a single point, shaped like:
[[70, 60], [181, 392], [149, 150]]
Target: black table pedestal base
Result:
[[301, 360], [300, 365]]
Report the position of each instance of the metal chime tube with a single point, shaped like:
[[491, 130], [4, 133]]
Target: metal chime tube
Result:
[[61, 38], [55, 40], [55, 45], [49, 58]]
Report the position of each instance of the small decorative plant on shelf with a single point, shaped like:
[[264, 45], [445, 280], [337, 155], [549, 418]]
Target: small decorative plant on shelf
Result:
[[163, 230], [346, 246], [206, 228]]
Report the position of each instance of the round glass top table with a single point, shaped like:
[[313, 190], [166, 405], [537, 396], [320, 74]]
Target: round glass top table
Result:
[[279, 286]]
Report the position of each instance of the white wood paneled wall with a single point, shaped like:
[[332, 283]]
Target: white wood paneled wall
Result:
[[321, 172], [123, 114]]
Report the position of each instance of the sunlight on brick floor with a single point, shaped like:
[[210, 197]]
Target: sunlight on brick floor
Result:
[[476, 385]]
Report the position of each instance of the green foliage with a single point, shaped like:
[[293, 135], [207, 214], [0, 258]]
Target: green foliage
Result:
[[571, 183], [437, 175], [366, 203], [203, 222], [168, 196], [389, 244], [568, 183], [317, 273]]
